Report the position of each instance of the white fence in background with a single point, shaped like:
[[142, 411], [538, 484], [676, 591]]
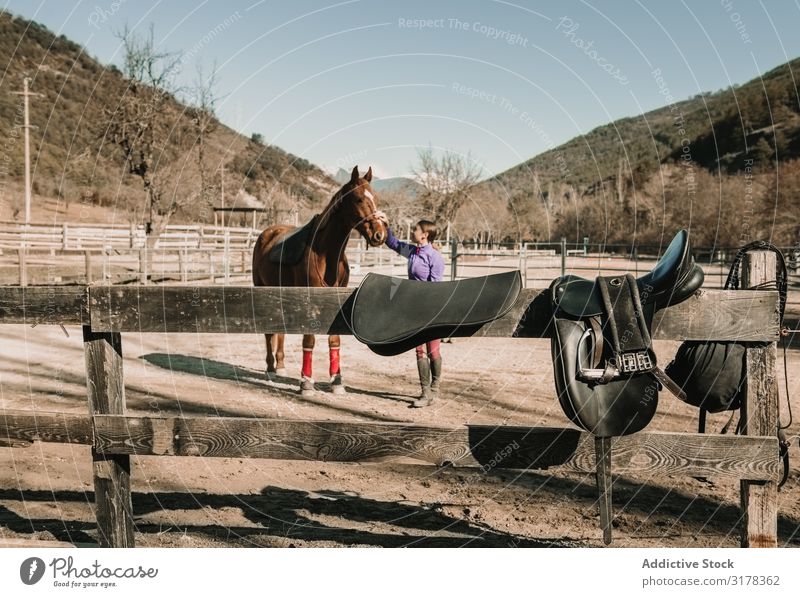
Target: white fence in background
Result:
[[72, 253]]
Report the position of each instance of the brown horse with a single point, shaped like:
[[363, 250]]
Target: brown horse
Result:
[[323, 263]]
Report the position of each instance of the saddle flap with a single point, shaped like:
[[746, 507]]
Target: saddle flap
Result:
[[576, 297], [392, 315], [620, 406]]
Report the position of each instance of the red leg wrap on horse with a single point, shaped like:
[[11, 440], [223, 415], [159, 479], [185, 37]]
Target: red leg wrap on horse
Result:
[[434, 347], [334, 367], [308, 353]]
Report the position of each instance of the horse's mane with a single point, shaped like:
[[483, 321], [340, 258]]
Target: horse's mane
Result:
[[330, 209]]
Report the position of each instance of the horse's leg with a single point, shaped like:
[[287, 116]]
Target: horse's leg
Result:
[[306, 375], [280, 366], [335, 371], [270, 373]]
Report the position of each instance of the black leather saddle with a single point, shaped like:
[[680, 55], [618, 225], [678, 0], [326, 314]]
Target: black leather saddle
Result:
[[393, 315], [290, 249], [606, 375], [605, 369]]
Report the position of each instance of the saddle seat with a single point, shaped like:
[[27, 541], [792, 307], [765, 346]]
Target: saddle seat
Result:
[[673, 279], [392, 315], [290, 249]]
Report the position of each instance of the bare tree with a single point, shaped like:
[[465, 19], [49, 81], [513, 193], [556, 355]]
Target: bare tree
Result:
[[138, 123], [204, 121], [447, 179]]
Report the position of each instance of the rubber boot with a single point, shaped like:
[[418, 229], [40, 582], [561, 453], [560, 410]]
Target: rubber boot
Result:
[[436, 377], [424, 370]]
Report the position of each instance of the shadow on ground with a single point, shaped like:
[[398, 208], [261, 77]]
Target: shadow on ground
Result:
[[285, 514]]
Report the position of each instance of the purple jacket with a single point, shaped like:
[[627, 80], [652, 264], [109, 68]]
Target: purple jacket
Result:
[[424, 263]]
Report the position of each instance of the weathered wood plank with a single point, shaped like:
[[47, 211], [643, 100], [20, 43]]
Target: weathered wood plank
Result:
[[44, 305], [760, 413], [112, 481], [474, 446], [35, 543], [62, 428], [722, 315], [487, 447]]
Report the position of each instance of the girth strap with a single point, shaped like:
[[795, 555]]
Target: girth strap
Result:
[[631, 345]]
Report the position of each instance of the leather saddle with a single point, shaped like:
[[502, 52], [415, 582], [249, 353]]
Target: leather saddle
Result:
[[393, 315], [289, 250], [605, 370], [606, 374]]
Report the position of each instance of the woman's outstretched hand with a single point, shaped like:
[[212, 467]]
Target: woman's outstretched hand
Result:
[[382, 217]]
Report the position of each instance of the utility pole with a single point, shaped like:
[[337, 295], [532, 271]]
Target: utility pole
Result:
[[25, 93]]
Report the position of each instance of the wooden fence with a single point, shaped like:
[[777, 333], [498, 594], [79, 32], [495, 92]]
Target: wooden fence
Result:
[[98, 237], [105, 312], [103, 253]]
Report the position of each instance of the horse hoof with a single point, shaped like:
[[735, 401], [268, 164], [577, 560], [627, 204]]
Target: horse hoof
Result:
[[307, 387], [270, 377], [281, 372], [337, 387]]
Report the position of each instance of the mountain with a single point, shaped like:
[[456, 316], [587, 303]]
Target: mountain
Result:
[[74, 160], [397, 184], [719, 128], [678, 153]]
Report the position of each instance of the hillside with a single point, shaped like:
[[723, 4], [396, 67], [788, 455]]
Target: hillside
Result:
[[396, 184], [680, 152], [74, 161]]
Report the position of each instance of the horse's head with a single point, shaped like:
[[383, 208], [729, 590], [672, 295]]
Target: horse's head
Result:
[[359, 204]]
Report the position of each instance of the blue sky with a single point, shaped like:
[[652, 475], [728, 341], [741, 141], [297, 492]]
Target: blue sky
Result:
[[369, 82]]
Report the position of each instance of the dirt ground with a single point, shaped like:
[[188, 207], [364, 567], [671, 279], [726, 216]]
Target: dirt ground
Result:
[[46, 490]]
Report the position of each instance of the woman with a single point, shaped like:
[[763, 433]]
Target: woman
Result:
[[425, 263]]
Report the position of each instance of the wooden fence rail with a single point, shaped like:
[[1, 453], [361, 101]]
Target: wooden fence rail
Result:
[[720, 314], [107, 312], [532, 448], [81, 237]]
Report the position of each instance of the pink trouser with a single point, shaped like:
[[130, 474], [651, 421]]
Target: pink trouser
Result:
[[432, 349]]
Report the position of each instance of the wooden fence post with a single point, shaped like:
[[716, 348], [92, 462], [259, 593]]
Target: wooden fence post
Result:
[[760, 416], [106, 255], [453, 255], [23, 268], [112, 483], [143, 266], [182, 256], [88, 259], [226, 256]]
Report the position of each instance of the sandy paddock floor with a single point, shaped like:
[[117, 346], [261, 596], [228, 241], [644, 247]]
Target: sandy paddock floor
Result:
[[47, 490]]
